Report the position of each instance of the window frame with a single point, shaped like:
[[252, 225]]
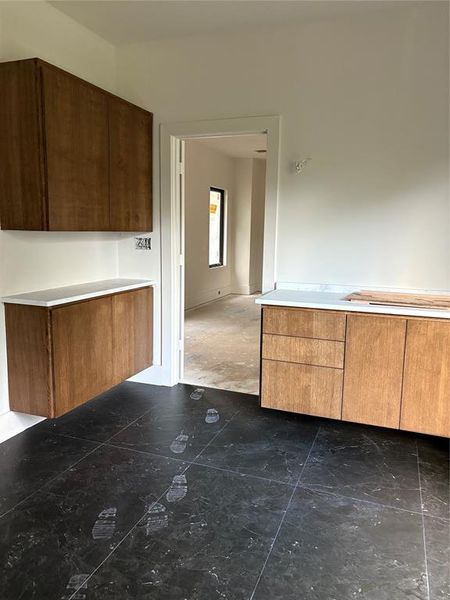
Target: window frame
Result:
[[222, 193]]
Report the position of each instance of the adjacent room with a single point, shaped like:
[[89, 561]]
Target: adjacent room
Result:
[[224, 197], [225, 300]]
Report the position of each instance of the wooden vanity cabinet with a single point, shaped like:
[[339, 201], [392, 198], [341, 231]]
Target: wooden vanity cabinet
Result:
[[74, 157], [60, 357], [384, 370]]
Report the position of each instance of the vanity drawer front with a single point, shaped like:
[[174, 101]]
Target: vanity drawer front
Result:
[[320, 324], [302, 388], [309, 351]]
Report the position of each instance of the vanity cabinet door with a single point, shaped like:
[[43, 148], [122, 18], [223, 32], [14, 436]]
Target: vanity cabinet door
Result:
[[374, 353], [426, 388], [82, 352]]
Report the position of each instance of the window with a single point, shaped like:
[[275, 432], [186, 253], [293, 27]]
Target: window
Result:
[[216, 226]]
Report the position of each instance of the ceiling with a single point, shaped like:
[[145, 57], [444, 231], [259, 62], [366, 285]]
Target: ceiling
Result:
[[237, 146], [130, 21]]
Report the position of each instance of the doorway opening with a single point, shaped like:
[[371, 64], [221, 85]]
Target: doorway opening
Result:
[[224, 193], [172, 300]]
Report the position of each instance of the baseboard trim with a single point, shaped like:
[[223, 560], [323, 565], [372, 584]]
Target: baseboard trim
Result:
[[155, 375], [12, 423], [205, 296]]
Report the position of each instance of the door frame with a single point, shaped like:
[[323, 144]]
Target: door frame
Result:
[[172, 220]]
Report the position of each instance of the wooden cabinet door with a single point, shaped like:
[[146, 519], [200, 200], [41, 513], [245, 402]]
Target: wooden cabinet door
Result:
[[130, 131], [77, 147], [133, 332], [426, 387], [22, 200], [374, 354], [82, 352], [301, 388]]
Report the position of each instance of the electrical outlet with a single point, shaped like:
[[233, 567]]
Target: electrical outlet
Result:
[[143, 243]]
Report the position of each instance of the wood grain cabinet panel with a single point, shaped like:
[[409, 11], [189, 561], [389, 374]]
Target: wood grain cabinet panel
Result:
[[326, 325], [130, 180], [426, 388], [82, 350], [301, 388], [373, 370], [77, 147], [74, 157], [29, 359], [132, 331], [325, 353], [22, 199]]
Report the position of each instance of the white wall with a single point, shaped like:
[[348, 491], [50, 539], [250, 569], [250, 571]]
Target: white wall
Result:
[[248, 225], [37, 260], [367, 99], [242, 222], [205, 168], [257, 229]]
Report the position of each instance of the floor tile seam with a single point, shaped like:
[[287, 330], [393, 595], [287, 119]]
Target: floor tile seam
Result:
[[423, 525], [239, 474], [214, 437], [145, 452], [131, 423], [272, 545], [312, 488], [50, 481], [109, 555]]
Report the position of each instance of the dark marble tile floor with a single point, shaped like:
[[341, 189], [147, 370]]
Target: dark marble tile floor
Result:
[[146, 493]]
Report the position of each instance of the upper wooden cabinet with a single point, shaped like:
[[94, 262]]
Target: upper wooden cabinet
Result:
[[74, 157]]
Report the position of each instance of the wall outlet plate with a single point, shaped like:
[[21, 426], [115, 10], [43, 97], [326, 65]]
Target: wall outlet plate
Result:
[[143, 243]]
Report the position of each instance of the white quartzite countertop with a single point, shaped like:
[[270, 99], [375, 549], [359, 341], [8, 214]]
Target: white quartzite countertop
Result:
[[335, 301], [75, 293]]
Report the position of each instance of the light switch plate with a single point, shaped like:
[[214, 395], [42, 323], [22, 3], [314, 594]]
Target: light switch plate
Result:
[[143, 243]]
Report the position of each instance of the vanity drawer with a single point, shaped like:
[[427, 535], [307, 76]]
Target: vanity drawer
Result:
[[302, 388], [309, 351], [320, 324]]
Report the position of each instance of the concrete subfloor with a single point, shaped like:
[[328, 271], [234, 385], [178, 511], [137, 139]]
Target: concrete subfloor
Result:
[[222, 344]]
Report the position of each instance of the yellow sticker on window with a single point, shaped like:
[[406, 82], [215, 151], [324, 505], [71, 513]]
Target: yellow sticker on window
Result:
[[213, 209]]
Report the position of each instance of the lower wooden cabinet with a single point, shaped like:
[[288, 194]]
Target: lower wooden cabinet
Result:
[[373, 377], [60, 357], [426, 388], [395, 371]]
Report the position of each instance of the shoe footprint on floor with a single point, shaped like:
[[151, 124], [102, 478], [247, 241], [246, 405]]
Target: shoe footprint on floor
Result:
[[105, 525], [77, 583], [178, 489], [178, 446], [212, 415], [155, 518], [197, 394]]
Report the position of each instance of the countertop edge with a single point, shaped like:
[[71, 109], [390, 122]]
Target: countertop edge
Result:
[[78, 297], [360, 308]]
